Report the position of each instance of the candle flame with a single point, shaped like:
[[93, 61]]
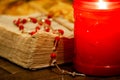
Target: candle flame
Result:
[[102, 4]]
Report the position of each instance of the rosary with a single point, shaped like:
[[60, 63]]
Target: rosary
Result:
[[46, 25]]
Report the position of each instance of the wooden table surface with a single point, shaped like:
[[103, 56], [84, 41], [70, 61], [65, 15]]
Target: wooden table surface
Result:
[[10, 71]]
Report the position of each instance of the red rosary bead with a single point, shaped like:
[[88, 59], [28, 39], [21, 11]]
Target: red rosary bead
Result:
[[21, 27], [32, 33], [24, 21], [47, 30], [34, 20], [17, 22], [61, 31], [47, 21], [53, 55], [37, 28], [57, 38]]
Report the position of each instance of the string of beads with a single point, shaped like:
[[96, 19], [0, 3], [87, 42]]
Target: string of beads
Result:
[[46, 24]]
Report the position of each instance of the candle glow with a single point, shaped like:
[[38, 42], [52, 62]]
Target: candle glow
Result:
[[102, 4]]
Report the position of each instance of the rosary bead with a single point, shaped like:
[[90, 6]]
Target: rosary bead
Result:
[[53, 55], [32, 33], [34, 20], [61, 31], [47, 30], [37, 28], [57, 38], [21, 27], [24, 21], [47, 21]]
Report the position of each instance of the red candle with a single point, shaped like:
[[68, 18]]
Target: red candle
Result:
[[97, 37]]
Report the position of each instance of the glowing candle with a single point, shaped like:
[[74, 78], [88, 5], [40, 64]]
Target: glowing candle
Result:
[[97, 37]]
